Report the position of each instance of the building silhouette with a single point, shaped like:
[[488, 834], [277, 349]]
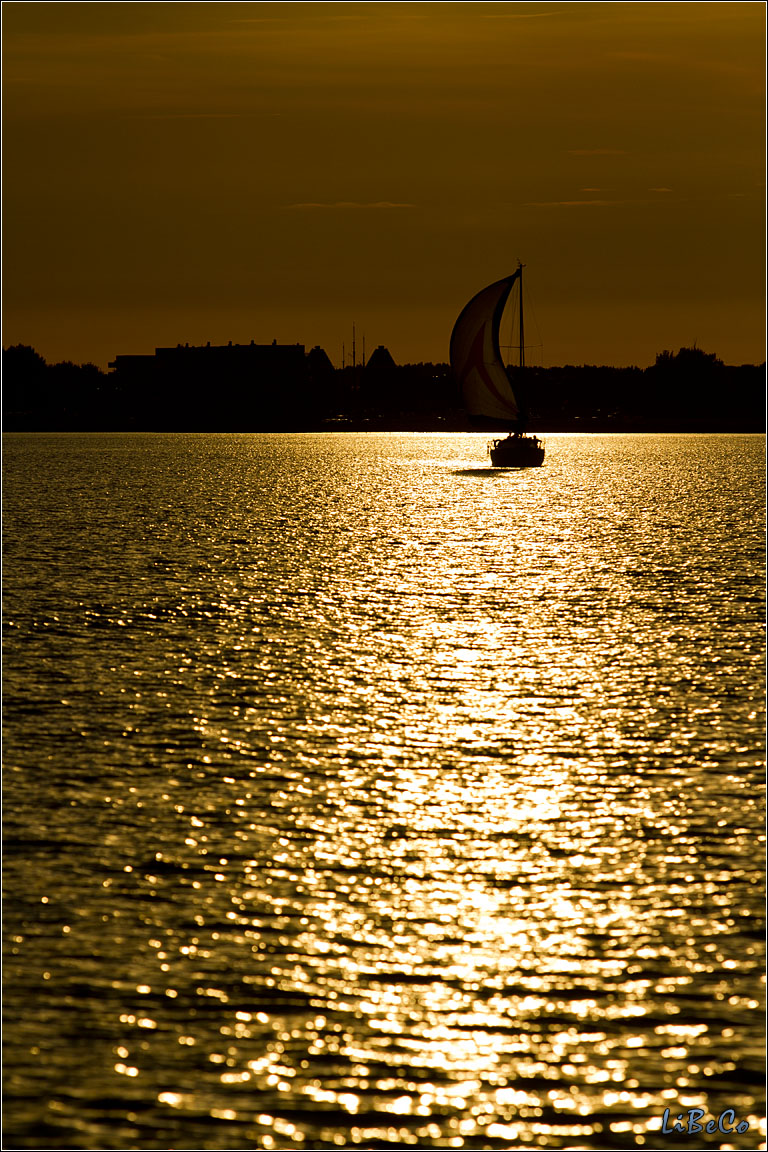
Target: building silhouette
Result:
[[223, 385], [380, 361]]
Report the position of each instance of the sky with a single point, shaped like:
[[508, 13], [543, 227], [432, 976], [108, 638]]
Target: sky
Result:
[[180, 172]]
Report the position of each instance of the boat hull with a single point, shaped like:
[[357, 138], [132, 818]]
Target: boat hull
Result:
[[517, 452]]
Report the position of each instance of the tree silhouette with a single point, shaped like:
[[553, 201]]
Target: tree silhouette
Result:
[[24, 378]]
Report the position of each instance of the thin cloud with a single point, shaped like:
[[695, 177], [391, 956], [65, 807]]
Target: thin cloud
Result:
[[517, 15], [646, 57], [207, 115], [577, 203], [594, 203], [350, 204]]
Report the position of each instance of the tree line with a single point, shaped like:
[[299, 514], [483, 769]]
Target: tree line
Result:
[[688, 390]]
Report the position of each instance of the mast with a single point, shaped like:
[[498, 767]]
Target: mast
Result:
[[522, 337]]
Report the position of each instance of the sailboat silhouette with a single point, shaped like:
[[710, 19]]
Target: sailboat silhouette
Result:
[[478, 366]]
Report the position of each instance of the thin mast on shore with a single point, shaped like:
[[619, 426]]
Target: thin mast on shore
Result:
[[522, 337]]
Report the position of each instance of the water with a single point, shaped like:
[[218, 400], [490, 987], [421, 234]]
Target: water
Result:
[[356, 794]]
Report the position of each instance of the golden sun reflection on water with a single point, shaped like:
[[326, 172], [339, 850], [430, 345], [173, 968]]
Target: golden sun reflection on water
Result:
[[463, 947], [428, 822]]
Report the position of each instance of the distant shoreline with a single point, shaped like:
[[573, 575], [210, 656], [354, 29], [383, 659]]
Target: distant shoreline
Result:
[[363, 427], [276, 388]]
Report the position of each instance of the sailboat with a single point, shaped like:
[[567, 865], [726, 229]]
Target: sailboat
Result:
[[477, 364]]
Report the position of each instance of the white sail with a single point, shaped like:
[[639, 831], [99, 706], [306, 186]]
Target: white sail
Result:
[[476, 357]]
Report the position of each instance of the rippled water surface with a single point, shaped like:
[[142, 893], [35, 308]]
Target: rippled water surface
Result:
[[358, 794]]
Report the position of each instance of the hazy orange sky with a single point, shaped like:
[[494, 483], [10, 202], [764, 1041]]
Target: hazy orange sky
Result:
[[194, 172]]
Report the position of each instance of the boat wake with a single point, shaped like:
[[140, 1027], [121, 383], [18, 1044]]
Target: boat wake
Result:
[[489, 471]]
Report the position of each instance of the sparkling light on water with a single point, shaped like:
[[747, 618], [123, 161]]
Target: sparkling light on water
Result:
[[358, 795]]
